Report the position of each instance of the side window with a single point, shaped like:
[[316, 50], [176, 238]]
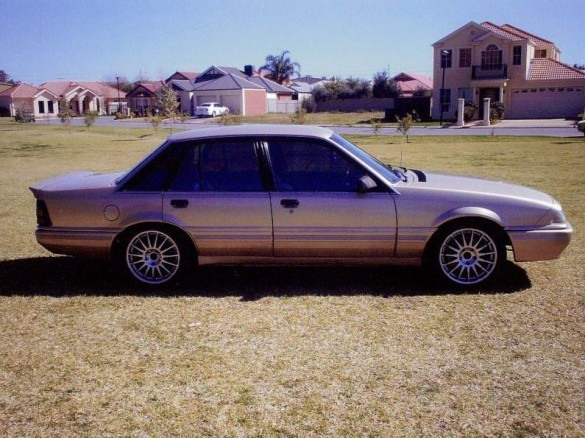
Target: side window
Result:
[[312, 166], [155, 175], [218, 166]]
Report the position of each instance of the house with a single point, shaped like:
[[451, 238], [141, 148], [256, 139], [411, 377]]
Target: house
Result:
[[28, 98], [243, 92], [304, 86], [86, 96], [507, 65], [412, 84], [143, 98]]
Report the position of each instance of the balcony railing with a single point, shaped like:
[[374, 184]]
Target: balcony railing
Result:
[[499, 71]]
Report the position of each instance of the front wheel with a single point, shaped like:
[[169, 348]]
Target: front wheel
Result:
[[469, 256], [152, 256]]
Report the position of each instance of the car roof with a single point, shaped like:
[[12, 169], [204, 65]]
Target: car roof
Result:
[[253, 130]]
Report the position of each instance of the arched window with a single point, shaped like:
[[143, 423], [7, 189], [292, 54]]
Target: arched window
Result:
[[491, 58]]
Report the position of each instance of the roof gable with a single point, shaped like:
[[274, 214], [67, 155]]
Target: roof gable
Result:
[[474, 30]]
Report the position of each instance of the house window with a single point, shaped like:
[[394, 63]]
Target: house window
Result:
[[446, 58], [41, 107], [540, 53], [491, 58], [445, 97], [464, 58], [465, 93], [51, 108], [517, 55]]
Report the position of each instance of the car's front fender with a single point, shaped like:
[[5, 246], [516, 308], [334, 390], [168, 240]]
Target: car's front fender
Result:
[[467, 212]]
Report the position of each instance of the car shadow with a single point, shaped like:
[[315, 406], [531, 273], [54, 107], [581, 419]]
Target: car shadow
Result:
[[71, 276]]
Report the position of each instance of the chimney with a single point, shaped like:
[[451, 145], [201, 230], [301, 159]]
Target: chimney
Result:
[[249, 70]]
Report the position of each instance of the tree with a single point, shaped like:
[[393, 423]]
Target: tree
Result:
[[280, 68], [384, 86], [404, 125], [65, 113], [5, 78], [125, 84], [168, 103]]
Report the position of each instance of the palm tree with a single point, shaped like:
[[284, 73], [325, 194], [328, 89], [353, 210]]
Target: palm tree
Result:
[[280, 68]]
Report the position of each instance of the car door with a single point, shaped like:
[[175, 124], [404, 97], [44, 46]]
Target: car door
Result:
[[216, 193], [316, 209]]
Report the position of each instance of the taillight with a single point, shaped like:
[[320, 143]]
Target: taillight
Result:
[[43, 218]]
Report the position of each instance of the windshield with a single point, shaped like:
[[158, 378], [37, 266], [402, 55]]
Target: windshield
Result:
[[367, 159]]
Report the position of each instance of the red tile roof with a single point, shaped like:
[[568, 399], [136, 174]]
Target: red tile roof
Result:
[[514, 33], [536, 39], [545, 68], [21, 91], [499, 30], [62, 87]]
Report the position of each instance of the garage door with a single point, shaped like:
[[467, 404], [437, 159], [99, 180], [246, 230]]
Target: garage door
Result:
[[541, 103], [234, 103]]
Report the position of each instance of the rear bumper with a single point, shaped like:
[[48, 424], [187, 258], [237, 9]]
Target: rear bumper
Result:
[[86, 242], [545, 243]]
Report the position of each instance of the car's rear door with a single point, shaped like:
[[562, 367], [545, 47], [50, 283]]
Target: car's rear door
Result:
[[217, 195], [316, 209]]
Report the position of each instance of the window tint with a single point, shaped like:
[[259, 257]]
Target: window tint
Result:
[[224, 166], [228, 166], [155, 175], [312, 166]]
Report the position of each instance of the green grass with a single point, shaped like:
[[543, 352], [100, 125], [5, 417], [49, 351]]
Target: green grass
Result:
[[288, 351]]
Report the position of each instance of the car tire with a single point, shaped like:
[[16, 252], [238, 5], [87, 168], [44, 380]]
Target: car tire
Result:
[[153, 256], [468, 255]]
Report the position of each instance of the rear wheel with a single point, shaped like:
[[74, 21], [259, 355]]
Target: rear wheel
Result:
[[469, 255], [153, 256]]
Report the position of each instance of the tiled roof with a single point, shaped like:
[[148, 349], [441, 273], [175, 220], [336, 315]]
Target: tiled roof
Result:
[[499, 30], [61, 88], [269, 85], [546, 68], [514, 33], [536, 39], [226, 82], [21, 91], [412, 81], [190, 75]]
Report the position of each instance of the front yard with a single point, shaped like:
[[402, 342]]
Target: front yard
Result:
[[288, 351]]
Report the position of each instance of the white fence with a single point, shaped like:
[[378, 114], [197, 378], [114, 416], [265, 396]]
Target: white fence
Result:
[[283, 106]]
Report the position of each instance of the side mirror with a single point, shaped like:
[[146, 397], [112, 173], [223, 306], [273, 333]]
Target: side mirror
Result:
[[366, 184]]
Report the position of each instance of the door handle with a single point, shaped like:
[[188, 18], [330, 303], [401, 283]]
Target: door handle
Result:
[[179, 203], [289, 203]]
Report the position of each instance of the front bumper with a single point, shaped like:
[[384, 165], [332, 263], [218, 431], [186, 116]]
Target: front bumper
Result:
[[544, 243]]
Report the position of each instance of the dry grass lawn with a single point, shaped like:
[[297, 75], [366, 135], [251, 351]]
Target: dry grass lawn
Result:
[[288, 351]]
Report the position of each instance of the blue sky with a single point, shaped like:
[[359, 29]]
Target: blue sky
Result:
[[46, 40]]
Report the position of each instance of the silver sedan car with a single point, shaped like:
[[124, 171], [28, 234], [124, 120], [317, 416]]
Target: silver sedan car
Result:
[[292, 195]]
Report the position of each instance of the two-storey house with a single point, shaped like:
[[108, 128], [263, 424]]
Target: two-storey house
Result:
[[508, 65]]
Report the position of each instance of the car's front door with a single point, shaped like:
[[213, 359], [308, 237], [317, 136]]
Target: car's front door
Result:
[[316, 209], [217, 195]]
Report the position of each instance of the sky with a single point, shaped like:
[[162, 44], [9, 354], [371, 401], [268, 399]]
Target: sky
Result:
[[97, 40]]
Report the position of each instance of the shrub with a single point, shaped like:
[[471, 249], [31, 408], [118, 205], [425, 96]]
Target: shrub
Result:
[[298, 118], [90, 118], [497, 111], [469, 111], [309, 105], [230, 119]]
